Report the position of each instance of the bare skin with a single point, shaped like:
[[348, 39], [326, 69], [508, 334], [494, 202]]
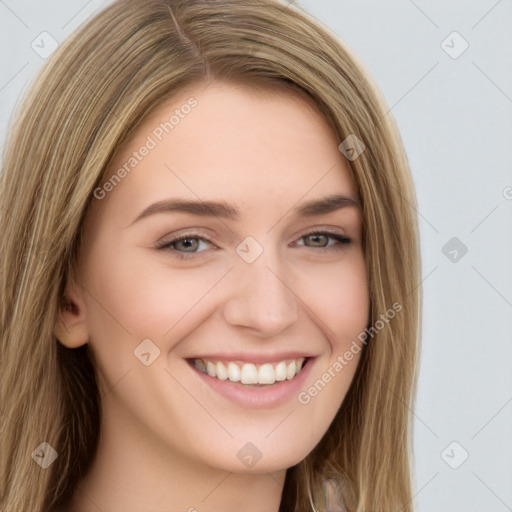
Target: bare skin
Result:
[[170, 441]]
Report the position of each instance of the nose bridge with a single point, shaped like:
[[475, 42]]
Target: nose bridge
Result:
[[260, 297]]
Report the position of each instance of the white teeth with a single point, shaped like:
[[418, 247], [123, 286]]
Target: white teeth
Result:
[[281, 371], [266, 374], [249, 373], [290, 370], [233, 372], [221, 371]]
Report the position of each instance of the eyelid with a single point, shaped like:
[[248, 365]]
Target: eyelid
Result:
[[322, 229], [184, 233], [170, 239], [191, 233]]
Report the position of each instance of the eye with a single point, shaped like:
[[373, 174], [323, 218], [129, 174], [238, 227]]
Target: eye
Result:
[[185, 246], [188, 245], [323, 239]]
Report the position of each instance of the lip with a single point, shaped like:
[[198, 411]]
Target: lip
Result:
[[264, 397]]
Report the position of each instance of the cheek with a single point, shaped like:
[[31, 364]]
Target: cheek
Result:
[[338, 295], [138, 291]]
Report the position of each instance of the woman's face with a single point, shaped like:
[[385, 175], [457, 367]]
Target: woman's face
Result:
[[231, 243]]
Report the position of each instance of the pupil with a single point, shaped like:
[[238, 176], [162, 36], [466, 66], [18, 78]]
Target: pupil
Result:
[[189, 244], [319, 240]]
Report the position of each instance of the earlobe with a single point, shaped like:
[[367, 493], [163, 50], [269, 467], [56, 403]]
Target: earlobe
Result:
[[71, 326]]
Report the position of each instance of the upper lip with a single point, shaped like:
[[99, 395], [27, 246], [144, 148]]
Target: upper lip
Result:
[[249, 357]]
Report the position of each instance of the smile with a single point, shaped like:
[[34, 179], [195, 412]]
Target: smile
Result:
[[251, 373]]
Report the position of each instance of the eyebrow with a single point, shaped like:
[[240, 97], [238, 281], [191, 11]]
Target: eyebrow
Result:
[[230, 211]]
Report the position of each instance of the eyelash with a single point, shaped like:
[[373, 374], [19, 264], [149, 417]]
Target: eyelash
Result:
[[167, 245]]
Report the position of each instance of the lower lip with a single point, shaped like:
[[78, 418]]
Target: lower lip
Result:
[[260, 397]]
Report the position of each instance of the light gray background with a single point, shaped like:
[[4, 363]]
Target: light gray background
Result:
[[455, 116]]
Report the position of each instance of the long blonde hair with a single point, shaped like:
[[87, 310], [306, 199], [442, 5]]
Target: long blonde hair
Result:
[[91, 96]]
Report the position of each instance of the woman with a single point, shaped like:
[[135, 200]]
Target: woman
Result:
[[210, 271]]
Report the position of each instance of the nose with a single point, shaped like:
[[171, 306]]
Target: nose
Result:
[[260, 297]]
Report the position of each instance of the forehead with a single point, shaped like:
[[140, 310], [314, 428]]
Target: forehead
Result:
[[227, 139]]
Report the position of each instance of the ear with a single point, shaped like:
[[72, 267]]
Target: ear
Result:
[[71, 326]]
